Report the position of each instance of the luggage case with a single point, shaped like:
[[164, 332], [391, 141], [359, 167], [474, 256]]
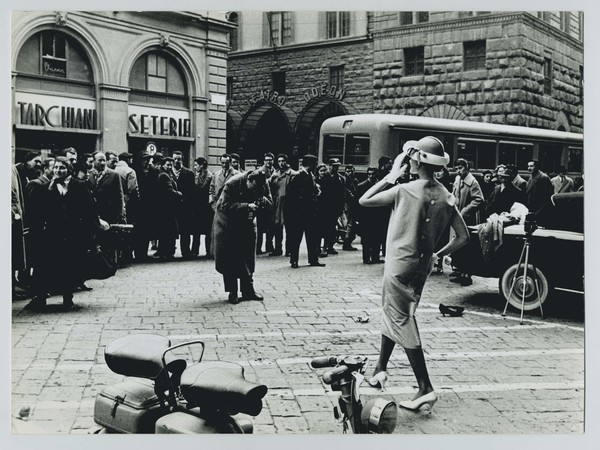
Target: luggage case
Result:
[[129, 407]]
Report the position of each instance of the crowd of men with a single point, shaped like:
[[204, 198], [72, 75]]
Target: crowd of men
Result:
[[167, 202]]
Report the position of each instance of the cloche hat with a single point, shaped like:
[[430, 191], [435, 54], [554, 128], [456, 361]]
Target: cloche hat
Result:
[[427, 150]]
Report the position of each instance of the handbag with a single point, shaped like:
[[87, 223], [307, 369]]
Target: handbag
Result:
[[100, 264]]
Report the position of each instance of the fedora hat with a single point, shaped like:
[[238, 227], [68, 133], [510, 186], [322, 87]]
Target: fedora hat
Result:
[[427, 150]]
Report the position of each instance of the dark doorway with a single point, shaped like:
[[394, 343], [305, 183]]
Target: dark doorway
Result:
[[271, 134]]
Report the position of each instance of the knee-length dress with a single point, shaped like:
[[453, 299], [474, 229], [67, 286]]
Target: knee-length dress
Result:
[[422, 210]]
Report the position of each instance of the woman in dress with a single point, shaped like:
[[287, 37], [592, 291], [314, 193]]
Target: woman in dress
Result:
[[422, 209]]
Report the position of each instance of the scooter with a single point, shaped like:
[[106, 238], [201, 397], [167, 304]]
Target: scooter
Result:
[[377, 416], [169, 389]]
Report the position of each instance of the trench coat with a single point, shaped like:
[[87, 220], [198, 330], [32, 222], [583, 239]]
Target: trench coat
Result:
[[539, 191], [234, 229], [279, 183], [468, 197]]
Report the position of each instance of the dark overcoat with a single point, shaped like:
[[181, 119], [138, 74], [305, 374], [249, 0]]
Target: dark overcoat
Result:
[[148, 212], [168, 205], [186, 185], [109, 196], [234, 230], [502, 200], [70, 224]]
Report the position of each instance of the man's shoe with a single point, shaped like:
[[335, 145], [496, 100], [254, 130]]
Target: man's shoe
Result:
[[332, 251], [276, 253], [349, 248], [260, 252], [317, 264], [37, 304], [456, 280], [83, 287], [466, 281], [252, 296], [233, 298], [323, 254], [294, 265]]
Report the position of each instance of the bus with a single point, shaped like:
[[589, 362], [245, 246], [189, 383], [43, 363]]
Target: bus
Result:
[[363, 138]]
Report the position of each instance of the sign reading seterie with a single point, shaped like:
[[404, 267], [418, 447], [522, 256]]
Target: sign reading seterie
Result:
[[159, 122]]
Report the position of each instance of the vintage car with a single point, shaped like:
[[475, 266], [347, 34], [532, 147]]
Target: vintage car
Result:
[[556, 251]]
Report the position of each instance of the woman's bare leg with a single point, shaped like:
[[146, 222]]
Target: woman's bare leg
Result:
[[419, 367]]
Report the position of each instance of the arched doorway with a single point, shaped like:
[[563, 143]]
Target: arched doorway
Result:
[[310, 120], [234, 120], [266, 128]]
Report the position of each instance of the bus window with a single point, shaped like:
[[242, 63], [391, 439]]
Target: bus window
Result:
[[575, 159], [517, 153], [333, 146], [550, 158], [357, 149], [481, 153]]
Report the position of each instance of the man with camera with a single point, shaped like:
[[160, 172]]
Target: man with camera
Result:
[[234, 232]]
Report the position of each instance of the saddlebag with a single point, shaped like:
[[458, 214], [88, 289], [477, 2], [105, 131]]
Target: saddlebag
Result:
[[129, 407], [188, 423]]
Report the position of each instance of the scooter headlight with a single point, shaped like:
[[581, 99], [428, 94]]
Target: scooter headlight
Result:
[[379, 416]]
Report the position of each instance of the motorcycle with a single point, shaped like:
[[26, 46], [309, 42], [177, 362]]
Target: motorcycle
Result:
[[376, 416], [169, 389]]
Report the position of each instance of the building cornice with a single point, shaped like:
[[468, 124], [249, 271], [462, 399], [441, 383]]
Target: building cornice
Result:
[[480, 21], [300, 46]]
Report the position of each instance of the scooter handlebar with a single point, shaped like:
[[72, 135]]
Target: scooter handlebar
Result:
[[324, 361], [331, 376]]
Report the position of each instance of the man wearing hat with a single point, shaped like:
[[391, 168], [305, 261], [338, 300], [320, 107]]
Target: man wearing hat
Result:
[[300, 213], [168, 204], [132, 198], [333, 192], [505, 194], [423, 210], [469, 198]]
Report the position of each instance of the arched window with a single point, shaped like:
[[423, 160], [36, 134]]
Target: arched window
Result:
[[233, 34], [157, 78], [53, 61]]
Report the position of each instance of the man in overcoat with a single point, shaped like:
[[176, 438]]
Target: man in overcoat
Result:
[[220, 178], [145, 226], [539, 189], [168, 204], [300, 213], [333, 190], [185, 179], [505, 194], [234, 232], [278, 183], [372, 222], [563, 183]]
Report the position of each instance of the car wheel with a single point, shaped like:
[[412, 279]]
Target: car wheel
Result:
[[534, 297]]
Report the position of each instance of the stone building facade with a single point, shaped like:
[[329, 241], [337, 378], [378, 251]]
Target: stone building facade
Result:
[[289, 71], [120, 81]]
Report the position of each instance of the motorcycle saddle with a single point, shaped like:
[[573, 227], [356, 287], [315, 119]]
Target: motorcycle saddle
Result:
[[137, 355], [221, 386]]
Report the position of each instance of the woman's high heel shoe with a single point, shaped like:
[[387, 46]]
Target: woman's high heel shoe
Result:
[[415, 405], [378, 380]]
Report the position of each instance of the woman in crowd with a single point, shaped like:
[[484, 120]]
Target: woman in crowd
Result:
[[422, 210], [71, 222]]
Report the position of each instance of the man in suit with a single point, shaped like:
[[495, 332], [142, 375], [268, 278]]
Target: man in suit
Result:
[[108, 191], [372, 222], [539, 189], [131, 193], [234, 232], [264, 217], [279, 185], [219, 180], [145, 227], [333, 190], [185, 180], [561, 182], [300, 213], [350, 206], [505, 194]]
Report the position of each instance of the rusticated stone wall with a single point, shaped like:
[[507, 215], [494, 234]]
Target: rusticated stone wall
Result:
[[509, 90]]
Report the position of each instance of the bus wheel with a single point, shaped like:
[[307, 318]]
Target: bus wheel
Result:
[[524, 284]]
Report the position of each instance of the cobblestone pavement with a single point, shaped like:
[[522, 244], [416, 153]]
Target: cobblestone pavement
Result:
[[493, 375]]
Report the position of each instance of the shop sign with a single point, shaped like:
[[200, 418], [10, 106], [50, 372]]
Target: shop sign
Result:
[[267, 95], [50, 111], [159, 122], [324, 91]]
